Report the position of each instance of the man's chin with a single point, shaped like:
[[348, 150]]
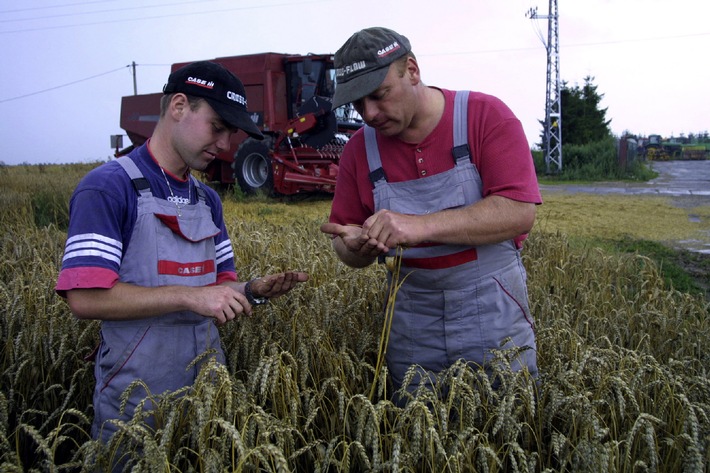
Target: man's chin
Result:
[[201, 164], [386, 129]]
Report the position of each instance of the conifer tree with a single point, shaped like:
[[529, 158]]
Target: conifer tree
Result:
[[583, 121]]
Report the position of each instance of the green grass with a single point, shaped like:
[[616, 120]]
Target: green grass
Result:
[[683, 270], [642, 174]]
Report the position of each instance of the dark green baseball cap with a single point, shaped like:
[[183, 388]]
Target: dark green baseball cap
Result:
[[361, 64]]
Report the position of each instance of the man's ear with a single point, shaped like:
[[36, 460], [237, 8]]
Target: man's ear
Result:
[[178, 105], [413, 70]]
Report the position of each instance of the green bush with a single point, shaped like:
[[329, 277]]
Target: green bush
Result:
[[539, 161], [595, 161]]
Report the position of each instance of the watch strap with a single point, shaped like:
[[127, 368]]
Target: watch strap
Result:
[[253, 300]]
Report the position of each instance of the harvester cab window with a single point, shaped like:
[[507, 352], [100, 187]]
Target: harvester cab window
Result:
[[307, 79]]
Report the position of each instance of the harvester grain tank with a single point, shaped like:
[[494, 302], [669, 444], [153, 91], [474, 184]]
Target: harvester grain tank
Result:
[[289, 97]]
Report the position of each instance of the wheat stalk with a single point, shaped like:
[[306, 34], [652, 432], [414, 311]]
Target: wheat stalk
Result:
[[395, 284]]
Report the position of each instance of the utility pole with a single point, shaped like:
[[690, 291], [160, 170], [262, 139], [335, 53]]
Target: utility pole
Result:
[[553, 107], [135, 87]]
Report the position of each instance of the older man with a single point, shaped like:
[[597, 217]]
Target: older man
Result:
[[449, 177]]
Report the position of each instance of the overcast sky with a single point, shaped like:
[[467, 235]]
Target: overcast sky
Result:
[[66, 63]]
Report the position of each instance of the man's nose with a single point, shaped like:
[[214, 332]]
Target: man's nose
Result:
[[369, 109], [223, 140]]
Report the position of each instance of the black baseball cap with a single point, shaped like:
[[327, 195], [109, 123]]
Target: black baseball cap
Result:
[[220, 88], [361, 64]]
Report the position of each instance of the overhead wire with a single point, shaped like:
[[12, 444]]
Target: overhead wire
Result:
[[63, 85], [78, 81], [488, 51], [46, 7], [171, 15], [112, 10], [536, 28], [532, 14], [567, 46], [539, 33]]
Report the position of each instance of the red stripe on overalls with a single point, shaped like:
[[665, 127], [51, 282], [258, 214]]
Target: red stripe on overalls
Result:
[[175, 268], [442, 262]]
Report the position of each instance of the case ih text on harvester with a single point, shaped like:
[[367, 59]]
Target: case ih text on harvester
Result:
[[289, 97]]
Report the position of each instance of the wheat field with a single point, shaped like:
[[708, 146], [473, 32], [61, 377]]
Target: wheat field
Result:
[[623, 358]]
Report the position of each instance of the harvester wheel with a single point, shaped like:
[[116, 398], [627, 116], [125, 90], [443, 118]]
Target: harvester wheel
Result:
[[252, 168]]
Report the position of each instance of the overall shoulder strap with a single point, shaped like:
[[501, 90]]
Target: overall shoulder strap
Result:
[[461, 150], [198, 188], [140, 183], [374, 161]]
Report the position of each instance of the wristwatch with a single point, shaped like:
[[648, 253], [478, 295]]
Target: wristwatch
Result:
[[251, 298]]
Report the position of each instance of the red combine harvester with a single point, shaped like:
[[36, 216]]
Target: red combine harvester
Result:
[[289, 97]]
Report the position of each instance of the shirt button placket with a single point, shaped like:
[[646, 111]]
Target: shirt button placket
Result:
[[420, 162]]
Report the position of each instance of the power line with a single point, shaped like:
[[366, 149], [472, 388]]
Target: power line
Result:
[[133, 65], [63, 85], [172, 15], [46, 7], [112, 10], [641, 40], [437, 54], [566, 46]]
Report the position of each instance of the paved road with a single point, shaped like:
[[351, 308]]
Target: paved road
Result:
[[686, 182], [676, 178]]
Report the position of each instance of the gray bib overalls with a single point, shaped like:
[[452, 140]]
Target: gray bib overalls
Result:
[[457, 302], [165, 249]]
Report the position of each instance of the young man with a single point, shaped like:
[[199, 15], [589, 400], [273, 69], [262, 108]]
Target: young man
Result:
[[148, 252], [450, 179]]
